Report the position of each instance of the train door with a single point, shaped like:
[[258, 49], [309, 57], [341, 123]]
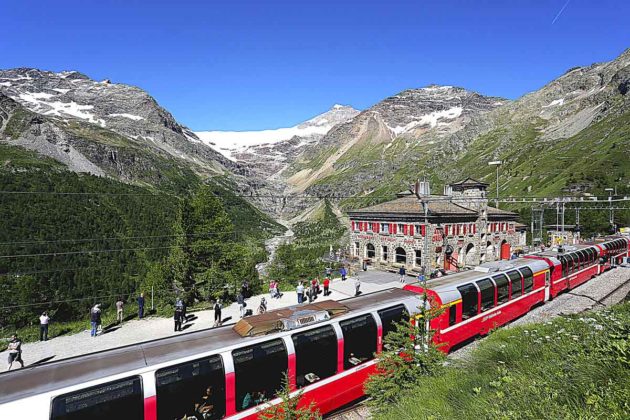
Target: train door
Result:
[[547, 285]]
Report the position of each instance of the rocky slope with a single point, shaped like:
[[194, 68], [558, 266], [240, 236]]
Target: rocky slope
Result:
[[98, 127], [572, 133]]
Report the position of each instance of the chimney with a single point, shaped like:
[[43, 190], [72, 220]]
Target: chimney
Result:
[[423, 188], [448, 190]]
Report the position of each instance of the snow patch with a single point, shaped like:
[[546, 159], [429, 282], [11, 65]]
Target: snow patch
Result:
[[59, 109], [7, 84], [429, 119], [557, 102], [130, 116], [62, 91]]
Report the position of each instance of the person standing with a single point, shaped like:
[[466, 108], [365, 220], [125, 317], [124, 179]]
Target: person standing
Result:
[[357, 287], [300, 292], [343, 273], [178, 318], [326, 286], [95, 319], [141, 305], [119, 310], [262, 308], [402, 272], [241, 304], [217, 312], [15, 351], [43, 326]]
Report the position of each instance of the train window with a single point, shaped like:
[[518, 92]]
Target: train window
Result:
[[452, 315], [517, 283], [528, 279], [487, 294], [502, 288], [259, 370], [576, 262], [359, 340], [565, 266], [469, 300], [583, 258], [315, 355], [392, 316], [194, 389], [117, 399]]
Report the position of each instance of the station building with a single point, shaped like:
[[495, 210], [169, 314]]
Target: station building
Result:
[[458, 229]]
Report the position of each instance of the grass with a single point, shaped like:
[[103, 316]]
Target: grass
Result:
[[576, 367]]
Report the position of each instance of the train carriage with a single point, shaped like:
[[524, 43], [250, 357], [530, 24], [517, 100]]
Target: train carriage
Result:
[[477, 301], [327, 348]]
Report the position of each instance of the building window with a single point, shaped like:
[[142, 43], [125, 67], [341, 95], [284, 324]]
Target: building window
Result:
[[356, 249], [385, 227], [418, 258], [401, 255], [401, 228], [418, 230], [369, 227], [370, 252], [384, 253]]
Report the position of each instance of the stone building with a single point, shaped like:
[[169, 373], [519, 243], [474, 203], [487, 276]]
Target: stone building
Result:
[[457, 229]]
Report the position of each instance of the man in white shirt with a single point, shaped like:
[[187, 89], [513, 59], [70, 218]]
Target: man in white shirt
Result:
[[300, 292], [43, 326], [119, 311]]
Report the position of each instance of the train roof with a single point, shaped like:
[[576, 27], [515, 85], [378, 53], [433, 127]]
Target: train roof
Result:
[[446, 287], [62, 373]]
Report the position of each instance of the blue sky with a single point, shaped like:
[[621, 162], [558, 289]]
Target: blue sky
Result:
[[242, 65]]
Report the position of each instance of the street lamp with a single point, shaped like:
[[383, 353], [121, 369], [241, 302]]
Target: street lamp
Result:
[[496, 163]]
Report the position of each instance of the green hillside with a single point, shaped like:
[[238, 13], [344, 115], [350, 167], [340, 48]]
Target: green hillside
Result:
[[76, 239]]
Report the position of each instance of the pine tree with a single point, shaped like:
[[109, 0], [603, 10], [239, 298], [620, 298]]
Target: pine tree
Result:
[[289, 408]]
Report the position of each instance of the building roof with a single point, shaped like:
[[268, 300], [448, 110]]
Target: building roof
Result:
[[493, 211], [468, 183], [412, 205]]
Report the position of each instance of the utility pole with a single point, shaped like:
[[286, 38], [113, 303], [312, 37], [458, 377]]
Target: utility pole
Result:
[[496, 163]]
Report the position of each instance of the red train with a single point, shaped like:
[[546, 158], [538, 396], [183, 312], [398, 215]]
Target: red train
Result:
[[327, 348]]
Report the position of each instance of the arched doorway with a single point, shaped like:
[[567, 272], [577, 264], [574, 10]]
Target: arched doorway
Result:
[[470, 255], [489, 251], [370, 252], [505, 250], [401, 255]]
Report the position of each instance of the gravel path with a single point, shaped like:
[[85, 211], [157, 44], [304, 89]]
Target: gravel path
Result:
[[591, 295]]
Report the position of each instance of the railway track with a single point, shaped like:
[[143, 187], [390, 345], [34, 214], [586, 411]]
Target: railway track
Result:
[[355, 411]]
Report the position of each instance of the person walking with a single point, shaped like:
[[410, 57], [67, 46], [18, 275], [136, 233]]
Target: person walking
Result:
[[357, 287], [262, 308], [343, 273], [95, 319], [177, 317], [141, 305], [326, 286], [217, 312], [15, 351], [119, 310], [402, 272], [241, 304], [300, 292], [44, 319]]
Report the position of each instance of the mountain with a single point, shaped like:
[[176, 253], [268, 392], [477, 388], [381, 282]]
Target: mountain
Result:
[[572, 134], [380, 138], [102, 128], [270, 151]]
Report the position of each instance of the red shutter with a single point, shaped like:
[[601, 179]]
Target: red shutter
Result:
[[353, 225], [475, 228], [378, 227], [411, 230], [423, 230], [446, 229], [395, 228], [465, 228], [406, 229]]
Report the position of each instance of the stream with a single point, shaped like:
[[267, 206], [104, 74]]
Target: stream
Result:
[[272, 245]]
